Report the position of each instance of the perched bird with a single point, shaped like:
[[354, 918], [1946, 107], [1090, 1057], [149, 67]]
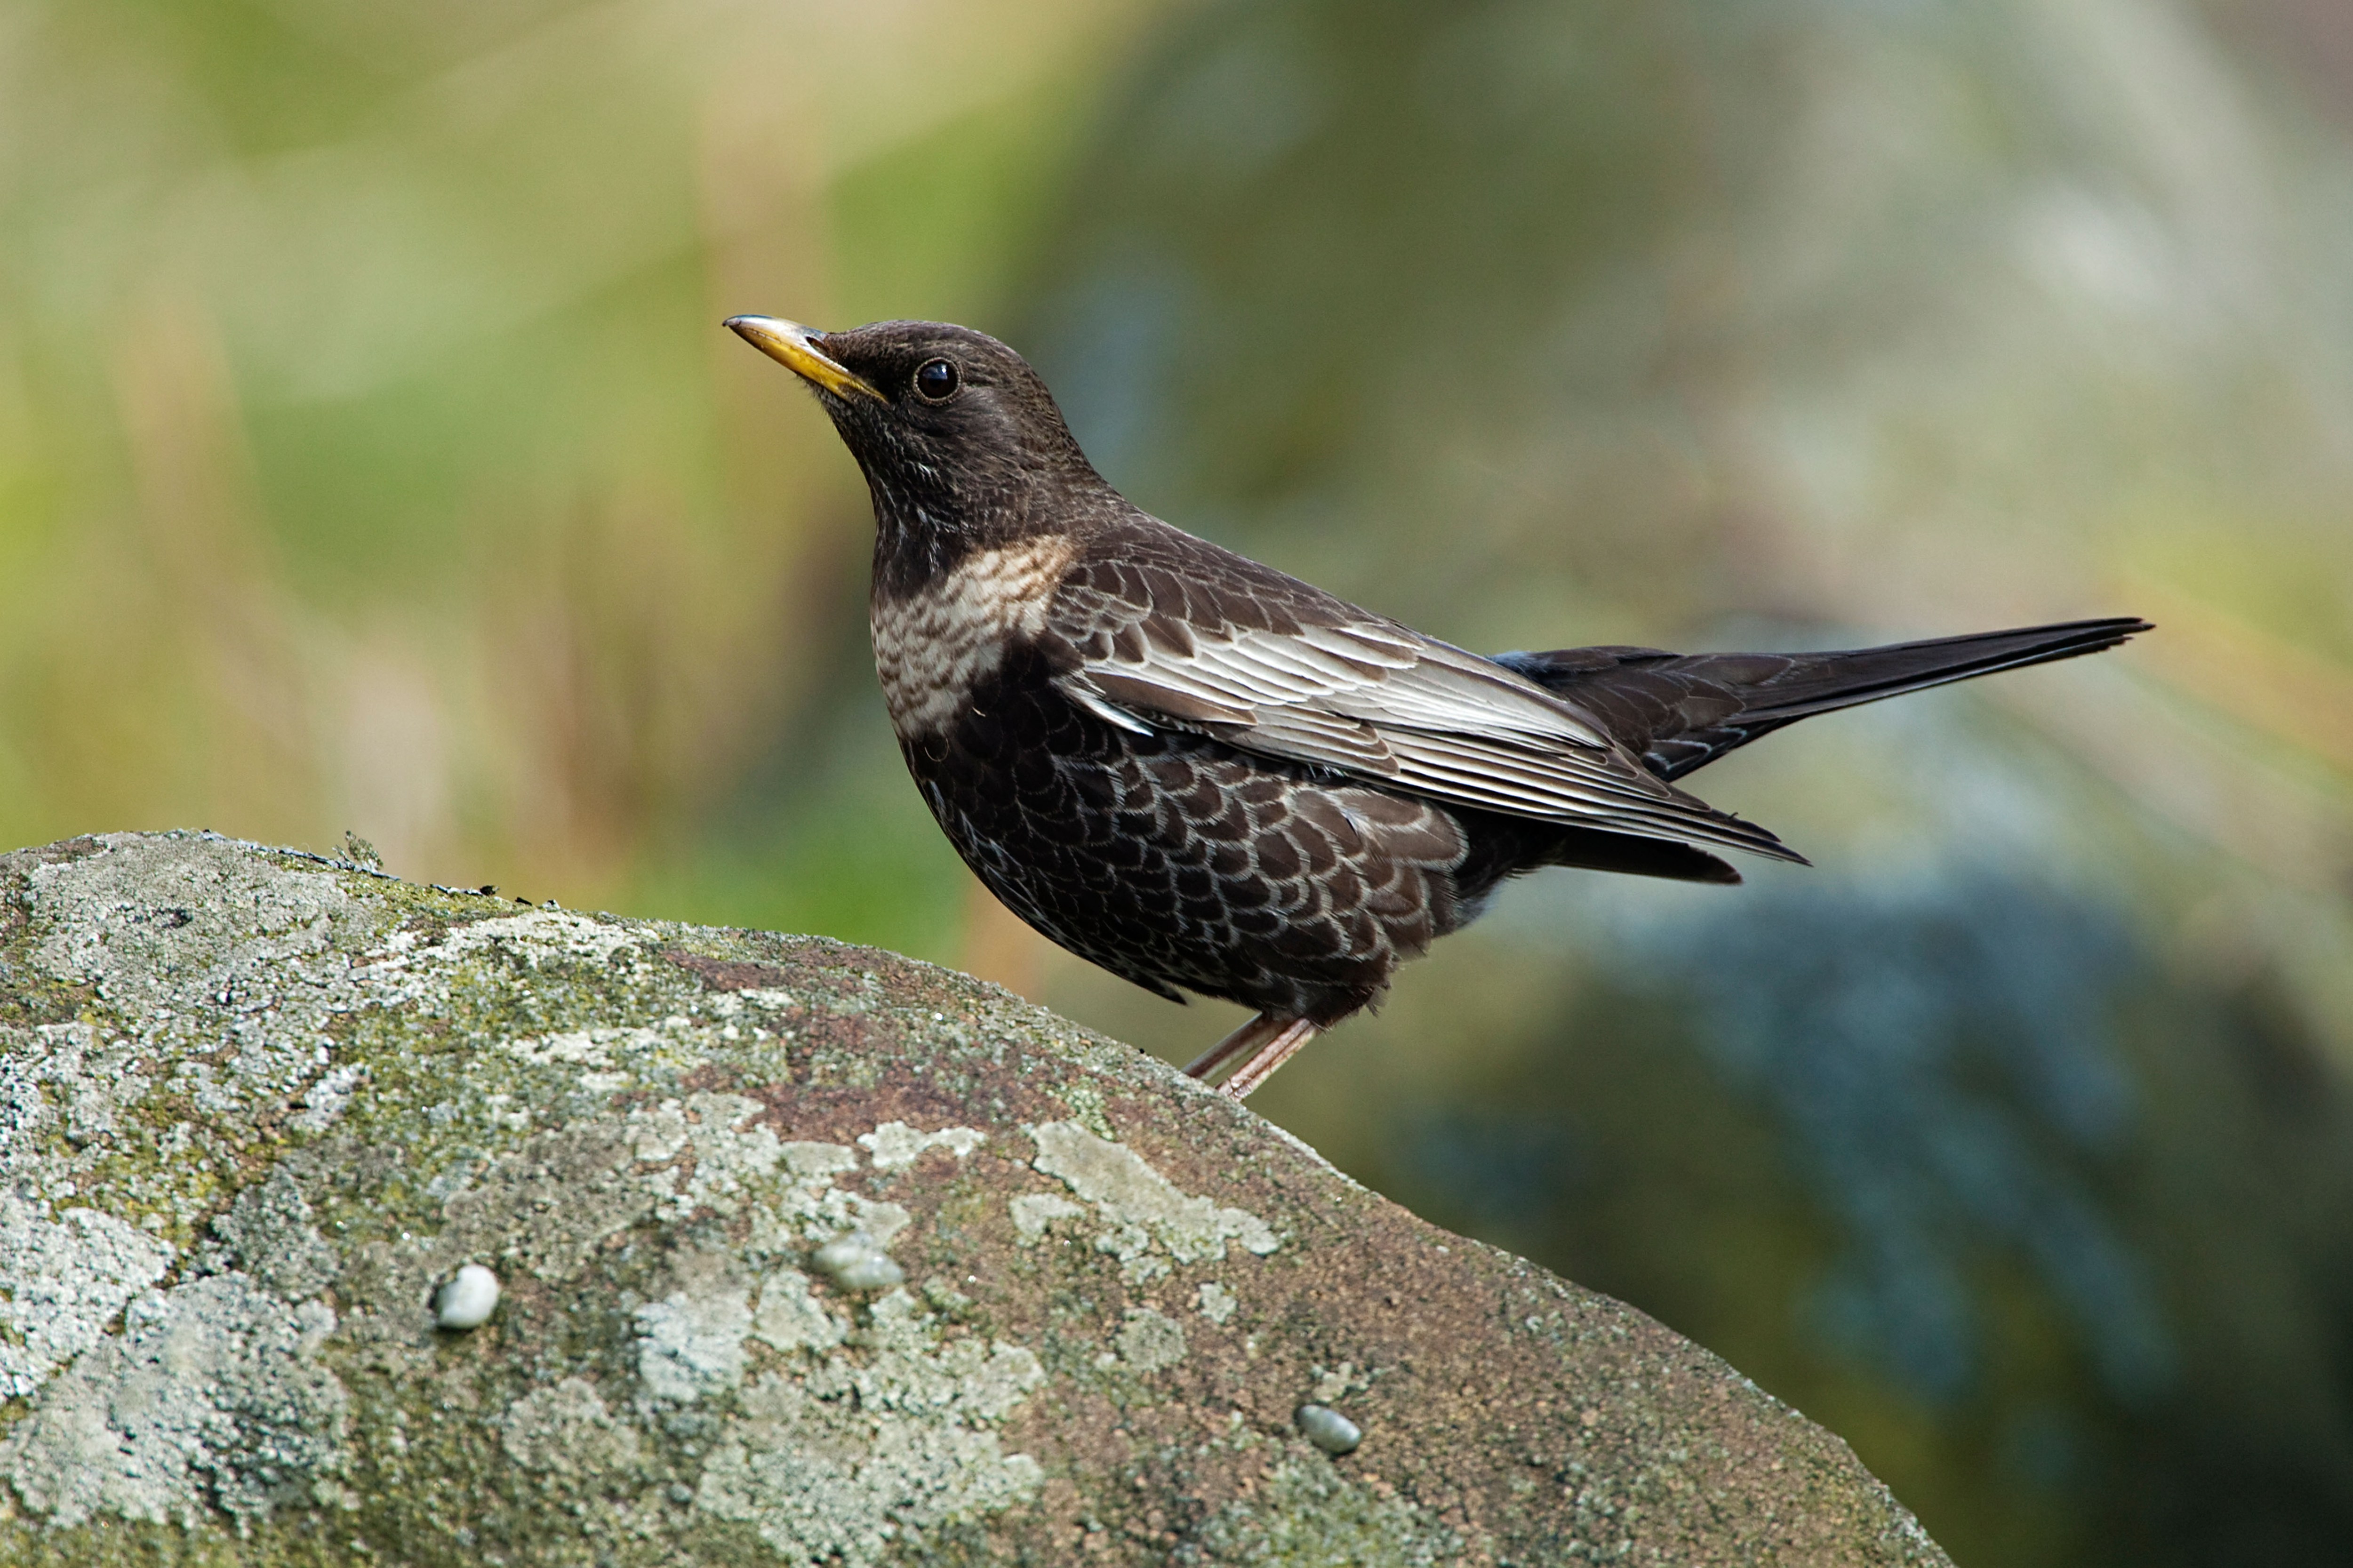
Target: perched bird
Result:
[[1204, 775]]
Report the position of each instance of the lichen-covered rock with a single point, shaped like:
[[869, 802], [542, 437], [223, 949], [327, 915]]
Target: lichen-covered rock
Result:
[[806, 1254]]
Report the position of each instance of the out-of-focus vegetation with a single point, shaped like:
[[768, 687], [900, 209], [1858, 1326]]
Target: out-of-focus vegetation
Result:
[[370, 455], [2012, 1140], [370, 458]]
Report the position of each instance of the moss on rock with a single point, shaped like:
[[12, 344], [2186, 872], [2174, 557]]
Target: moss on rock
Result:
[[808, 1254]]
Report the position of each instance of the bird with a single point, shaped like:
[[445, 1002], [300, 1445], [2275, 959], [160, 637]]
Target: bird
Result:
[[1208, 776]]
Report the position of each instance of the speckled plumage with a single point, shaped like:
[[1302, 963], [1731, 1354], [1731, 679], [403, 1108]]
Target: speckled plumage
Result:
[[1181, 863], [1208, 776]]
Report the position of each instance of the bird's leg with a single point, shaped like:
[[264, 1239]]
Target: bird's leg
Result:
[[1246, 1038], [1295, 1033], [1270, 1038]]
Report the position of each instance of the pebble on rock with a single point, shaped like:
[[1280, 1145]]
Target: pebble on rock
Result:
[[1328, 1429], [467, 1299], [854, 1263]]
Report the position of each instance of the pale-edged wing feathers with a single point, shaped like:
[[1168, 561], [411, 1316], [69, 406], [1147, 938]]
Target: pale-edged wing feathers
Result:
[[1171, 631]]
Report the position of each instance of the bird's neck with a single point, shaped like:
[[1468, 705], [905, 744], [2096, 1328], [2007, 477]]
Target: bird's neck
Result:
[[926, 526]]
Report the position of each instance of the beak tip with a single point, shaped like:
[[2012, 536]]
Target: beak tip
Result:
[[796, 347]]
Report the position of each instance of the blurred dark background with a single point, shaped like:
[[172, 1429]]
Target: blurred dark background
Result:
[[371, 457]]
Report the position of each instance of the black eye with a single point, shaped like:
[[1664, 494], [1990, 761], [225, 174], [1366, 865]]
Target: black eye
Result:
[[936, 379]]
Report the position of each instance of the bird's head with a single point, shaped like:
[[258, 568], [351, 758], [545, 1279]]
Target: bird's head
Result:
[[958, 436]]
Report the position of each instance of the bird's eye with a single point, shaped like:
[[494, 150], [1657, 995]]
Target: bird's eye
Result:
[[936, 379]]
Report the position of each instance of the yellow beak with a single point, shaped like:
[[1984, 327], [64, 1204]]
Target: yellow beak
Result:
[[788, 343]]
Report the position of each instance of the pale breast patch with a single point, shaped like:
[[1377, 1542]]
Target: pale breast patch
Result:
[[932, 646]]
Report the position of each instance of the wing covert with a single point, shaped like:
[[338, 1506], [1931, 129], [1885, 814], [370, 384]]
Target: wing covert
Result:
[[1227, 648]]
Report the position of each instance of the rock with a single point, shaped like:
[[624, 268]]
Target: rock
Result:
[[466, 1299], [806, 1252], [1328, 1429]]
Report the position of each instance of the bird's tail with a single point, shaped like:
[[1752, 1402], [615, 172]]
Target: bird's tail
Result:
[[1682, 711]]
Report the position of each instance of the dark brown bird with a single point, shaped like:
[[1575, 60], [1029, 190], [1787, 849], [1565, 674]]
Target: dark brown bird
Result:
[[1204, 775]]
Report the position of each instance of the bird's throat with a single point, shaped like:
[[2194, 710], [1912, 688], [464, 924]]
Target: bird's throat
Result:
[[937, 639]]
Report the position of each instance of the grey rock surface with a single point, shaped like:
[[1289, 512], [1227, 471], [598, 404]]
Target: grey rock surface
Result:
[[808, 1254]]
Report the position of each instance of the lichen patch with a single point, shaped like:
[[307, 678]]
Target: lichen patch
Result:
[[323, 1103], [895, 1143], [1150, 1218], [61, 1282], [791, 1318], [566, 1429], [583, 1048], [548, 1206], [729, 1157], [541, 937], [1337, 1382], [157, 925], [691, 1342], [1149, 1342], [62, 1079], [214, 1393], [894, 1438], [268, 1232], [1034, 1212], [806, 1159], [1307, 1511]]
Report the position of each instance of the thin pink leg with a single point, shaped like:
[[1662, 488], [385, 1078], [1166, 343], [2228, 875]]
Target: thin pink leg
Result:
[[1278, 1049], [1246, 1038]]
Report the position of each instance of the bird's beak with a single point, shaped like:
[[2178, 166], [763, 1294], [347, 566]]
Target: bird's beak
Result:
[[794, 346]]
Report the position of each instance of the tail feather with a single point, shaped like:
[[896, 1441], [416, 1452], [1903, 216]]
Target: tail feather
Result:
[[1682, 711]]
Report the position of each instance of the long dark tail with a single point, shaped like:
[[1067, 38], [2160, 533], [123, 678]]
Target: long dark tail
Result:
[[1682, 711]]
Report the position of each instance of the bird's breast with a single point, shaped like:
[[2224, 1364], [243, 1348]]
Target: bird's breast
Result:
[[936, 642]]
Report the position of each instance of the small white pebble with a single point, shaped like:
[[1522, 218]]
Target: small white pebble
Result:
[[467, 1299], [854, 1263], [1327, 1428]]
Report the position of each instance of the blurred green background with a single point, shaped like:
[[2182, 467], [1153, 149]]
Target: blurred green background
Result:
[[371, 459]]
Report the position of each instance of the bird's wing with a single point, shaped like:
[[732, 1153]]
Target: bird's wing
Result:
[[1172, 632]]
